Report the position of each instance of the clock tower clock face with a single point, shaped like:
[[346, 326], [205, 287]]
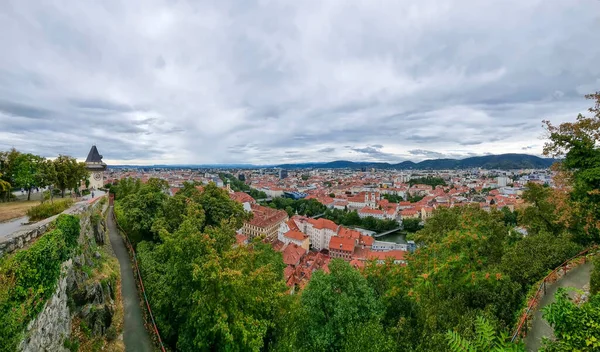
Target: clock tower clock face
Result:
[[97, 176]]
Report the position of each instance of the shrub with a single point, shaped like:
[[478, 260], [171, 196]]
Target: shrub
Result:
[[46, 210], [72, 346], [111, 333], [69, 225]]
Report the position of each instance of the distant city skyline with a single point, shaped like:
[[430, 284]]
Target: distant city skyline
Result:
[[163, 82]]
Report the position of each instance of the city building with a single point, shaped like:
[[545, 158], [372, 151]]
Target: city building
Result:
[[342, 247], [502, 181], [320, 231], [265, 221], [283, 174], [290, 233], [398, 256]]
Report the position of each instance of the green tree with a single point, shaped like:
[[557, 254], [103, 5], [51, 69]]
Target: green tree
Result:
[[27, 172], [414, 198], [391, 284], [352, 219], [510, 217], [439, 225], [540, 215], [207, 295], [429, 180], [411, 224], [393, 198], [336, 306], [578, 143], [125, 187], [7, 164], [69, 173], [5, 187], [530, 259], [136, 212]]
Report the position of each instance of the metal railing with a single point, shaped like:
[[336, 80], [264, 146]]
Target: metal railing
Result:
[[542, 287]]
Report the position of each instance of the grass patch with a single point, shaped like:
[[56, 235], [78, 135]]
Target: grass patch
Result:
[[14, 210], [48, 209], [71, 345]]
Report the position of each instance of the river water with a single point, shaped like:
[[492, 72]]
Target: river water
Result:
[[396, 237]]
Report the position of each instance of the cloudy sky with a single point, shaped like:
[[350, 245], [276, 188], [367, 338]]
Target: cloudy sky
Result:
[[288, 81]]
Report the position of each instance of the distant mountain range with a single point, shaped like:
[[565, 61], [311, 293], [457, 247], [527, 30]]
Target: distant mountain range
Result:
[[501, 161]]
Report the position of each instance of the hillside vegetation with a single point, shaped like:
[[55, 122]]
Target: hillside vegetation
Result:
[[28, 278], [501, 161]]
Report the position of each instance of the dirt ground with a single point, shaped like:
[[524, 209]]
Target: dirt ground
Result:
[[13, 210]]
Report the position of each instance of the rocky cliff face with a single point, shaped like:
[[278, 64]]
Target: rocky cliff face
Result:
[[93, 301], [76, 295]]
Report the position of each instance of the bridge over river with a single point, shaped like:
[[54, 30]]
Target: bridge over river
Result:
[[387, 232]]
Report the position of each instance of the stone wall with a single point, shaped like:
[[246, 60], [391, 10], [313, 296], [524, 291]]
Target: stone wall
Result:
[[48, 331], [20, 238], [52, 326]]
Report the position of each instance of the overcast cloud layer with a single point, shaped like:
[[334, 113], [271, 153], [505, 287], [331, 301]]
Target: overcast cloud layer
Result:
[[290, 81]]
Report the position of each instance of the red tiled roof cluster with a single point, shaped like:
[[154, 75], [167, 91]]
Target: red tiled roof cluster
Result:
[[292, 254], [242, 197], [265, 216], [295, 235], [301, 273], [396, 254], [344, 244], [349, 233], [323, 224]]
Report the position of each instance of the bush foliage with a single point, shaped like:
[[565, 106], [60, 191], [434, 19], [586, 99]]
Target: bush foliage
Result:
[[28, 278], [48, 209]]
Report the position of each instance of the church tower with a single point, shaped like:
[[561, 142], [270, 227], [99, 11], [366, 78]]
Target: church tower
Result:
[[95, 167]]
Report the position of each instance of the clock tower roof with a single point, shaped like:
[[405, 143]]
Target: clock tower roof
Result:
[[94, 156]]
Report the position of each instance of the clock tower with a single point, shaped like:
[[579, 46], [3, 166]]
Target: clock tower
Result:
[[96, 168]]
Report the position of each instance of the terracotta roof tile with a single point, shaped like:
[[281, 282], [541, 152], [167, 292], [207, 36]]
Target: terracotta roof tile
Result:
[[341, 243]]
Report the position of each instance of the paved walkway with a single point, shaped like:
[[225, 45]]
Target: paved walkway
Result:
[[135, 335], [577, 278], [10, 226], [97, 194]]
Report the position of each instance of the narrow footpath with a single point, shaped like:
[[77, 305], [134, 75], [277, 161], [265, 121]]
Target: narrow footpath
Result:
[[135, 335], [577, 278]]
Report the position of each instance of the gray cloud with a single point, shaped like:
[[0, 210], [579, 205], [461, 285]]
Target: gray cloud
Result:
[[528, 147], [326, 150], [273, 82], [426, 153]]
